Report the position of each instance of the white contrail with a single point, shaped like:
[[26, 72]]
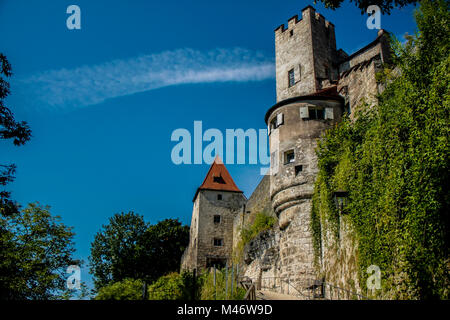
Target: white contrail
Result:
[[92, 84]]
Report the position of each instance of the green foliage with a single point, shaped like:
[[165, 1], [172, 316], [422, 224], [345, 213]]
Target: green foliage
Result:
[[127, 289], [173, 286], [385, 5], [219, 291], [128, 247], [115, 250], [163, 245], [261, 222], [35, 251], [393, 160], [9, 129]]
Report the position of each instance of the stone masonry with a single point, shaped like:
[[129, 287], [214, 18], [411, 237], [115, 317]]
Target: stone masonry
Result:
[[315, 85]]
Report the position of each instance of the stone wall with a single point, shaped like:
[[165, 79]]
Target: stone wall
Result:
[[337, 262], [286, 251], [262, 257], [259, 201], [357, 81], [202, 250]]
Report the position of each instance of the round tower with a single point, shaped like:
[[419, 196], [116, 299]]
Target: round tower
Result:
[[307, 104]]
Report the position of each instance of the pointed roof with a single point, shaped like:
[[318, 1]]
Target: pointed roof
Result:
[[218, 178]]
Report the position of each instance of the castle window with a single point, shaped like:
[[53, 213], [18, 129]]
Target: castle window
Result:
[[276, 121], [298, 169], [291, 33], [289, 157], [273, 124], [316, 114], [326, 71], [219, 197], [218, 179], [218, 242], [291, 77], [216, 218]]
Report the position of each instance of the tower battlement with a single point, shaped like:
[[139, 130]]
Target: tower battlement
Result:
[[305, 55], [307, 13]]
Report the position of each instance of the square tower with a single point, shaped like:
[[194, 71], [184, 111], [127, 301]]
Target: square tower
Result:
[[216, 203], [305, 54]]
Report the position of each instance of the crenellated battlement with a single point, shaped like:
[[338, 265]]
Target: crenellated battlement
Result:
[[307, 14]]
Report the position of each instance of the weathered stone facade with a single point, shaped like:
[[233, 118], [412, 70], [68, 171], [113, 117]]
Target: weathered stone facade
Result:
[[217, 202], [315, 84]]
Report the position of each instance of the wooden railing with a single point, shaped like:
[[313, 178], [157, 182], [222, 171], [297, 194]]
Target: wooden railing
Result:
[[309, 289], [250, 288]]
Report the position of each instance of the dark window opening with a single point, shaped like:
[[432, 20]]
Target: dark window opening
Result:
[[298, 169], [216, 219], [216, 262], [291, 77], [326, 71], [219, 180], [291, 33], [316, 114], [219, 197], [273, 124], [218, 242], [289, 157]]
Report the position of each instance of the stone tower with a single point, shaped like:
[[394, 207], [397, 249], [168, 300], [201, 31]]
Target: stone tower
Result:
[[216, 203], [307, 104]]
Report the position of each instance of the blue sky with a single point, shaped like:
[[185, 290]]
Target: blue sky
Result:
[[103, 101]]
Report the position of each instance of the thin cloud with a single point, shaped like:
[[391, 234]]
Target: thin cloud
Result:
[[93, 84]]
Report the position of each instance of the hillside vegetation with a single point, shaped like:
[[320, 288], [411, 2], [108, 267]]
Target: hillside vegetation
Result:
[[393, 159]]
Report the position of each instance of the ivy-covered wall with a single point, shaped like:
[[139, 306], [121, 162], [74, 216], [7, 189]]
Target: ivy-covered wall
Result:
[[393, 159]]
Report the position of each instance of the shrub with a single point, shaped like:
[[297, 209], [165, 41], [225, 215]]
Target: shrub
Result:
[[175, 286], [261, 222], [219, 292], [128, 289], [394, 162]]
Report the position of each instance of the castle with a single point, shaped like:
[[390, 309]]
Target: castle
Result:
[[315, 85]]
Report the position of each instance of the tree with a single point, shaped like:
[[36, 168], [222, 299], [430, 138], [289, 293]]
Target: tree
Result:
[[130, 248], [127, 289], [115, 250], [9, 129], [385, 5], [35, 251], [165, 243], [393, 159]]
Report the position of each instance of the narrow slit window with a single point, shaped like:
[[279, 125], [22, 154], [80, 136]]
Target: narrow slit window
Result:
[[291, 76]]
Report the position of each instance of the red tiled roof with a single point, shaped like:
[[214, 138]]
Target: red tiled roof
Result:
[[218, 178]]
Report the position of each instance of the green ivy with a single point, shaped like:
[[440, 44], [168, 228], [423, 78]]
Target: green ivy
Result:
[[260, 222], [393, 159]]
